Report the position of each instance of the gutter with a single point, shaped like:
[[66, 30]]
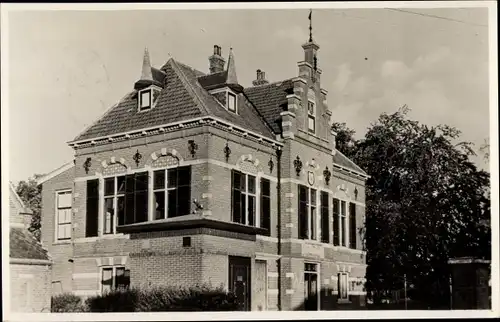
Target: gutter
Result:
[[29, 261], [278, 188]]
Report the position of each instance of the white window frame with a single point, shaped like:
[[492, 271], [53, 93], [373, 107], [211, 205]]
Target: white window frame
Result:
[[113, 275], [231, 94], [165, 191], [339, 228], [317, 207], [256, 195], [311, 116], [115, 197], [56, 221], [151, 89]]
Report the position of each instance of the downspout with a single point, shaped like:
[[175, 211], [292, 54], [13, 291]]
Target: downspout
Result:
[[278, 188]]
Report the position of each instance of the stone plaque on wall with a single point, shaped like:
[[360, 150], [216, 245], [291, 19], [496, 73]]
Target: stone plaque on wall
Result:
[[313, 250]]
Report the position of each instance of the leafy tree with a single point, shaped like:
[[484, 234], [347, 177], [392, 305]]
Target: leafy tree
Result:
[[426, 202], [31, 194]]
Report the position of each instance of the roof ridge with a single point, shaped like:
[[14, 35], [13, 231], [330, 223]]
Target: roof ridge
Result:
[[188, 86], [13, 189], [269, 84]]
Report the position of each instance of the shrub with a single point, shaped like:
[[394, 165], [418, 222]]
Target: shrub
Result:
[[67, 302], [164, 298]]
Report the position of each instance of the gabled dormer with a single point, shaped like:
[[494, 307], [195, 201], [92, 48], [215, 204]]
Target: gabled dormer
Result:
[[223, 83], [149, 86]]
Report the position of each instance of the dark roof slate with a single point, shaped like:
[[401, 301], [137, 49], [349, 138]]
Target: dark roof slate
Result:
[[25, 246], [270, 100], [341, 159]]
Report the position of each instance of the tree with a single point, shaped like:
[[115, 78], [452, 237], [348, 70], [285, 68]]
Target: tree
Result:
[[426, 202], [31, 194]]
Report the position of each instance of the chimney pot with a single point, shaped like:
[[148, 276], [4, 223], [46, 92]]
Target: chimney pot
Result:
[[216, 61], [261, 78]]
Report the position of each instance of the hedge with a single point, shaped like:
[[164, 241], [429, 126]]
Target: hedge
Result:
[[67, 302], [160, 298]]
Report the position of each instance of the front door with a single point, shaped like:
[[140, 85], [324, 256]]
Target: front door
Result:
[[239, 280], [310, 287]]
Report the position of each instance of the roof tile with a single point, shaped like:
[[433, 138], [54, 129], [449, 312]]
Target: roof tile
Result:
[[24, 245]]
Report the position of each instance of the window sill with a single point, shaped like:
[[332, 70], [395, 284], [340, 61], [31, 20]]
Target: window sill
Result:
[[62, 242], [348, 250], [344, 301], [103, 237]]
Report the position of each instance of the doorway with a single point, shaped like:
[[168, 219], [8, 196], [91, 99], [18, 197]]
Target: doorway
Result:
[[239, 280], [311, 292]]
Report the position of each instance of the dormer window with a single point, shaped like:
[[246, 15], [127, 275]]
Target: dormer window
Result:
[[231, 102], [147, 98], [311, 117]]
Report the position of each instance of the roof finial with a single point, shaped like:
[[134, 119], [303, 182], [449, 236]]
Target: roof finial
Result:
[[310, 26], [146, 73]]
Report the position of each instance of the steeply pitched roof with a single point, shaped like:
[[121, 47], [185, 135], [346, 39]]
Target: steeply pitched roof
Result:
[[342, 160], [21, 207], [25, 246], [182, 97], [270, 100]]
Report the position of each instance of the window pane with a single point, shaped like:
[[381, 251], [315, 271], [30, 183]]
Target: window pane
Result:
[[67, 231], [121, 184], [107, 279], [141, 206], [184, 176], [343, 230], [232, 102], [313, 223], [325, 225], [67, 215], [312, 124], [120, 204], [61, 232], [313, 197], [64, 200], [109, 186], [303, 194], [251, 210], [141, 181], [310, 108], [236, 180], [184, 200], [236, 207], [172, 203], [251, 184], [342, 208], [303, 226], [129, 183], [265, 214], [120, 278], [92, 208], [129, 208], [159, 204], [243, 183], [352, 226], [265, 187], [108, 215], [172, 178], [159, 179], [61, 216], [243, 209], [336, 232], [145, 99]]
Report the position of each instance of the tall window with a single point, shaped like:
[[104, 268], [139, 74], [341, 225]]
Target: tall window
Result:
[[243, 198], [265, 204], [63, 215], [172, 192], [311, 116], [136, 198], [114, 203], [340, 222], [343, 287], [114, 278], [325, 224], [352, 226], [231, 102], [307, 213], [92, 207]]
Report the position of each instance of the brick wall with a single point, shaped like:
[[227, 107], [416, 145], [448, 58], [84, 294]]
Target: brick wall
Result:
[[30, 289]]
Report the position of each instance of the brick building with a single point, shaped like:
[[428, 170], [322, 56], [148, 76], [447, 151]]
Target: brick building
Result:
[[193, 178], [30, 264]]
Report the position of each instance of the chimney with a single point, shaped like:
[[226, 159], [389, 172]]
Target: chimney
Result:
[[216, 61], [261, 78]]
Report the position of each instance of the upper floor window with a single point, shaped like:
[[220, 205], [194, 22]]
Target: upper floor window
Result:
[[63, 229], [307, 213], [311, 117], [147, 98], [231, 102], [250, 205], [114, 203], [340, 233], [352, 226], [172, 192], [325, 223]]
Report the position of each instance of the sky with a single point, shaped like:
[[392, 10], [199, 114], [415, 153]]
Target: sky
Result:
[[67, 67]]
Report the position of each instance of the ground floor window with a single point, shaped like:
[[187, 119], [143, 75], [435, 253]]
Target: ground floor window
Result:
[[114, 278], [343, 287]]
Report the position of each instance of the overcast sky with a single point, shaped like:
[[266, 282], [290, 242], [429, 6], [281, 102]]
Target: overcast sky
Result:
[[68, 67]]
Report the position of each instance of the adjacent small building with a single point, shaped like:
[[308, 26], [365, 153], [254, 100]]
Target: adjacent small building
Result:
[[193, 178], [30, 263]]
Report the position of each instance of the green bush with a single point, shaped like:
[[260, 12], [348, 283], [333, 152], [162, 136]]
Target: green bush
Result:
[[164, 298], [67, 302]]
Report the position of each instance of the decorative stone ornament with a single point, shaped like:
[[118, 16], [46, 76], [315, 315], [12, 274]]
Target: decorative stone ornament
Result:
[[193, 147], [356, 193], [327, 175], [227, 152], [87, 164], [310, 178], [270, 164], [137, 157], [297, 163]]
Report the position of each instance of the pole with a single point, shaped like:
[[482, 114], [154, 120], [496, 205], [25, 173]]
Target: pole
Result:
[[406, 301], [278, 188]]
